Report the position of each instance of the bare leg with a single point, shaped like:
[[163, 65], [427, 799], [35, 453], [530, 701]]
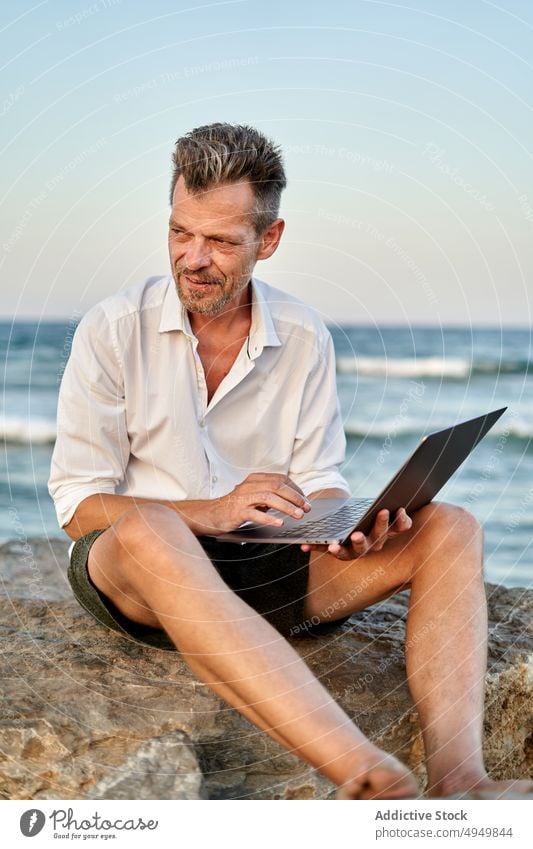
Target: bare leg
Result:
[[446, 641], [154, 570]]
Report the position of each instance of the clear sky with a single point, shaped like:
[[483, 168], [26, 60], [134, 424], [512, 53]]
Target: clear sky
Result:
[[406, 128]]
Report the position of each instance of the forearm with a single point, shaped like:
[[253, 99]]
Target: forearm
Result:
[[103, 509], [329, 493]]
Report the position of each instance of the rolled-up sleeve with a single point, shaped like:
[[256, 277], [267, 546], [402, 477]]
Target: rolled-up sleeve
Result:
[[92, 446], [320, 443]]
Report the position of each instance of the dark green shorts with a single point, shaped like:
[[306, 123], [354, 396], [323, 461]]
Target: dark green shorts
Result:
[[270, 578]]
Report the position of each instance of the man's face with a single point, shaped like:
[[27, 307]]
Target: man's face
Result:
[[213, 245]]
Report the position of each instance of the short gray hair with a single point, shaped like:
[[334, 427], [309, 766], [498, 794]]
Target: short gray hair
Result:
[[226, 153]]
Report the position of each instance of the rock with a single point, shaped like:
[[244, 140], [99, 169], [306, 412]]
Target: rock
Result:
[[508, 721], [162, 768], [89, 714]]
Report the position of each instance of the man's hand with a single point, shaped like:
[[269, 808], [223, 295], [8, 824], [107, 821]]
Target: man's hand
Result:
[[250, 499], [360, 544]]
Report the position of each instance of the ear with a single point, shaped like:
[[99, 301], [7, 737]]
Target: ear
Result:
[[270, 239]]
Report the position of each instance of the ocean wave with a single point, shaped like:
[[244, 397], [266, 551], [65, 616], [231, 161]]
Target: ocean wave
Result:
[[22, 431], [457, 368], [517, 429], [504, 367]]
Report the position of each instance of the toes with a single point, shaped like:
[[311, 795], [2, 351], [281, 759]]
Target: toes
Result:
[[392, 782], [502, 790], [349, 790]]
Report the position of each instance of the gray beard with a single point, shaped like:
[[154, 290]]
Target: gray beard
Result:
[[194, 301]]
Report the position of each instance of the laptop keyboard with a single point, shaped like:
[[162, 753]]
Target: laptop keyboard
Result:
[[330, 526]]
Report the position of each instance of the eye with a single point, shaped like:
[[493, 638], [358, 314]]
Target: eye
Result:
[[224, 243]]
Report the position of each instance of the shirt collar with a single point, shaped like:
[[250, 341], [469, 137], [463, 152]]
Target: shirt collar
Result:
[[262, 331], [173, 314]]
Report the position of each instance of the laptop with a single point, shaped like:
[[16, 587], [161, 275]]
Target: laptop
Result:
[[424, 473]]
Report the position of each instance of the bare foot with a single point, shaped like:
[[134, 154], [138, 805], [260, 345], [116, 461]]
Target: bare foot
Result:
[[383, 777], [483, 788]]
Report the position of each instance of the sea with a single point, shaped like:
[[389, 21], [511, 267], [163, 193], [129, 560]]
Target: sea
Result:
[[395, 385]]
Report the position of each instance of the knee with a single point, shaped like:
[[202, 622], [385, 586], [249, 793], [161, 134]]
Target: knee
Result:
[[448, 525], [441, 514], [454, 516], [148, 527]]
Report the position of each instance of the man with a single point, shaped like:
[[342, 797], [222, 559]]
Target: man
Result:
[[194, 403]]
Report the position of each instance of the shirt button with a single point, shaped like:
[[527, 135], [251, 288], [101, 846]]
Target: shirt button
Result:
[[202, 423], [214, 479]]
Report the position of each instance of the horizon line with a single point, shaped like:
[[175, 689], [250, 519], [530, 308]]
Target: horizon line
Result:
[[453, 323]]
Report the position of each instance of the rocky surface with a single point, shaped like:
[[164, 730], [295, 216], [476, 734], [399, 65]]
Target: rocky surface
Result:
[[88, 714], [165, 767]]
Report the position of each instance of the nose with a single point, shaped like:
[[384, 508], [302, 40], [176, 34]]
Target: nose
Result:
[[197, 255]]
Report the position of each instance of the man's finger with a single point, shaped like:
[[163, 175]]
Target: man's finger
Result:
[[340, 552], [402, 521], [256, 516], [288, 487], [281, 488], [275, 501], [401, 524], [380, 529], [288, 491], [358, 546], [277, 482]]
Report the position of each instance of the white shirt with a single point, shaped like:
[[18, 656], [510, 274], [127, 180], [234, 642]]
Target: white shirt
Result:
[[133, 417]]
